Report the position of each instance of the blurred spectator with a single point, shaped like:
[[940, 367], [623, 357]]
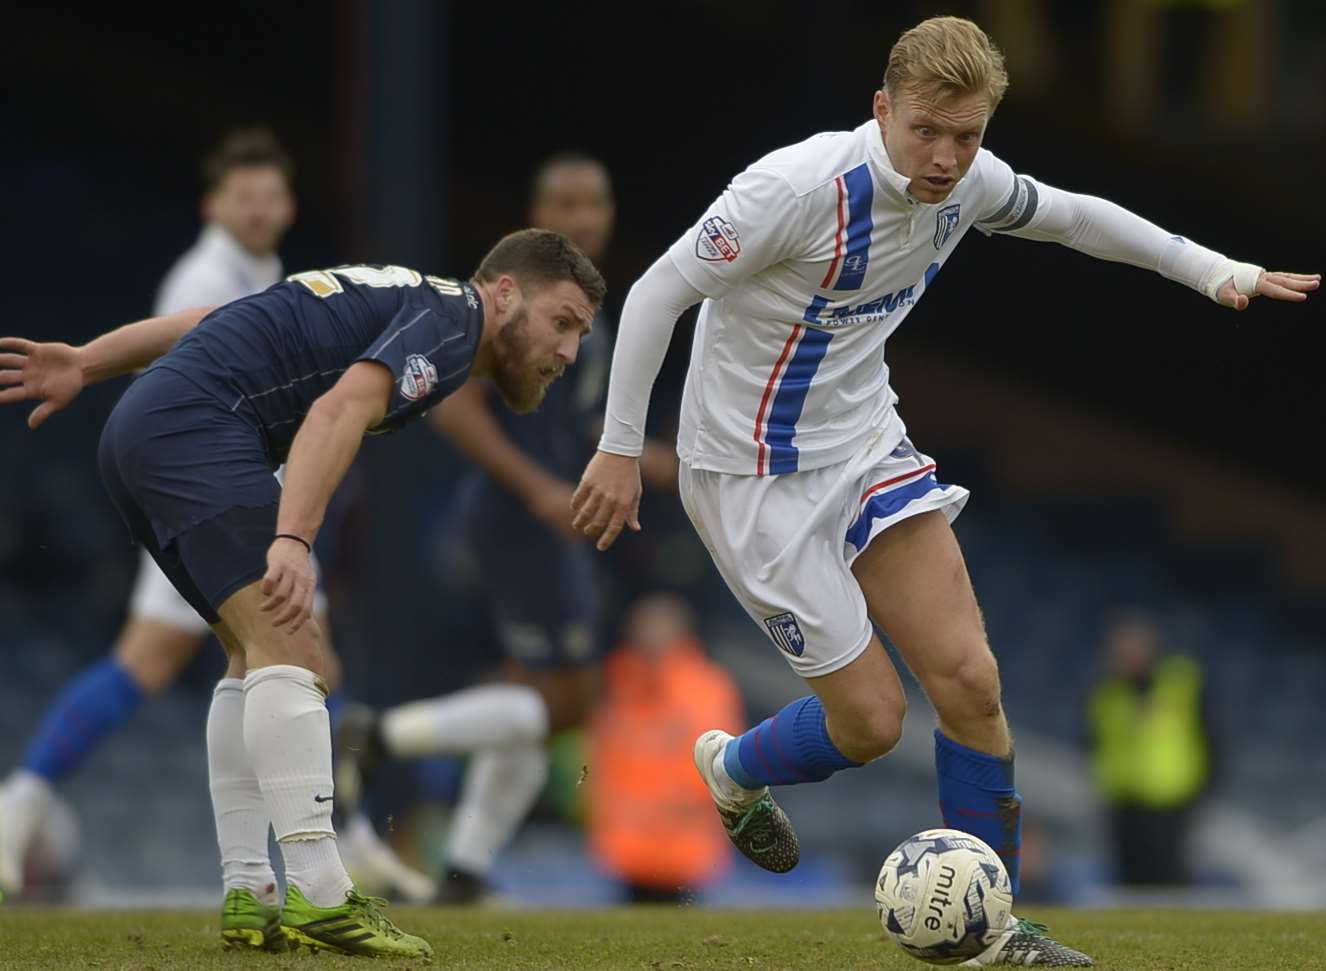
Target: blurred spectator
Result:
[[534, 575], [1151, 749], [651, 820]]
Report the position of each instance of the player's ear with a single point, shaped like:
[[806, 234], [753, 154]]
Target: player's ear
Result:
[[508, 293], [881, 105]]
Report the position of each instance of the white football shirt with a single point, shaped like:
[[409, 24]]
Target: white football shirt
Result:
[[213, 271], [809, 260]]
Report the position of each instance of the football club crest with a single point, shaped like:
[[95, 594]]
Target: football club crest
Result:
[[420, 377], [718, 241], [786, 633], [946, 220]]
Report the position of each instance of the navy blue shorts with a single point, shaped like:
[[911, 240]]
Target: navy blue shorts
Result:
[[193, 483], [541, 589]]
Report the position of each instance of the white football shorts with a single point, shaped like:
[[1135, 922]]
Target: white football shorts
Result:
[[785, 543], [155, 598]]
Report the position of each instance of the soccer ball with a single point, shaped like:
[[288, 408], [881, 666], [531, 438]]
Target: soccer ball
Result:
[[943, 895]]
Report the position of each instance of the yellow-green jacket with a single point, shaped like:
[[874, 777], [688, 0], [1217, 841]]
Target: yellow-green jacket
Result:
[[1149, 744]]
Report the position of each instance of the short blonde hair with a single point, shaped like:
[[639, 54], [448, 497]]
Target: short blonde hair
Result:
[[946, 55]]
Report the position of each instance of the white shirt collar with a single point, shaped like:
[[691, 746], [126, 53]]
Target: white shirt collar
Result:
[[882, 166], [885, 174]]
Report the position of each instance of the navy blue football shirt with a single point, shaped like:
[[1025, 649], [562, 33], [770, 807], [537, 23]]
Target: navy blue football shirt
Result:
[[271, 355]]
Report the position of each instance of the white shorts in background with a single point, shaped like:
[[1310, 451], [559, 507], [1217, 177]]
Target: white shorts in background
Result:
[[155, 598], [785, 543]]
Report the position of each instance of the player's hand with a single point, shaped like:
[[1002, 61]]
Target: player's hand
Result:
[[1276, 285], [658, 465], [288, 585], [608, 498], [49, 373], [550, 504]]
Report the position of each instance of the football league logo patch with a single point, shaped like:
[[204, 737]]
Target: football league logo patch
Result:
[[718, 241], [420, 377], [786, 633], [946, 220]]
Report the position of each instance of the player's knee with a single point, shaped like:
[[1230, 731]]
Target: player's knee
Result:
[[154, 653], [969, 690], [871, 733]]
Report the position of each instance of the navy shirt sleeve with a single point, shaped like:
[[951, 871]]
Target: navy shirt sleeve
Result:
[[429, 355]]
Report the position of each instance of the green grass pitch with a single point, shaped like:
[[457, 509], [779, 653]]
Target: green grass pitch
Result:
[[663, 939]]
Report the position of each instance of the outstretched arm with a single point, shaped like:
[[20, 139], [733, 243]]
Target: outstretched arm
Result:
[[1108, 231], [54, 374]]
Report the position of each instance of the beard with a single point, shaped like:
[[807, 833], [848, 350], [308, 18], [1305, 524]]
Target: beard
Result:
[[519, 380]]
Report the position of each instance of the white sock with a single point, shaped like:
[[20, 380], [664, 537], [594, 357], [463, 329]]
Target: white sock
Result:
[[29, 790], [313, 864], [488, 716], [288, 738], [237, 803], [25, 799], [730, 789], [500, 787]]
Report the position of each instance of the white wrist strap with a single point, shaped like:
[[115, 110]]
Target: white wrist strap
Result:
[[1244, 275]]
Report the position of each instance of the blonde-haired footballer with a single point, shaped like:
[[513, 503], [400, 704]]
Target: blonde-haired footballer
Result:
[[796, 469]]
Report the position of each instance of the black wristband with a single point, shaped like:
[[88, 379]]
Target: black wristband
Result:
[[298, 539]]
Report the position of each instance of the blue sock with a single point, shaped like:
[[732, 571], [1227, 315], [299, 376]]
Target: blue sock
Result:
[[91, 706], [976, 796], [793, 746]]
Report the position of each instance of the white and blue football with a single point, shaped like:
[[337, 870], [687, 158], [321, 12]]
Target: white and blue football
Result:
[[943, 895]]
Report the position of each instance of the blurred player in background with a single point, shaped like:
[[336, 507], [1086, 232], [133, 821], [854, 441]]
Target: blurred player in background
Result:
[[248, 205], [536, 574], [796, 468], [299, 373]]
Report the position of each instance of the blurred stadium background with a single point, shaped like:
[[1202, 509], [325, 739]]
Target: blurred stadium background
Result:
[[1126, 443]]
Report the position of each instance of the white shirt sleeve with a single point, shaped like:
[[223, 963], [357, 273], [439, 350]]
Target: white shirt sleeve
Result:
[[643, 335], [193, 284], [754, 224], [1099, 228]]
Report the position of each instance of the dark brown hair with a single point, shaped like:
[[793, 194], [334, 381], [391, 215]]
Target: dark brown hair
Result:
[[563, 160], [244, 148], [538, 257]]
